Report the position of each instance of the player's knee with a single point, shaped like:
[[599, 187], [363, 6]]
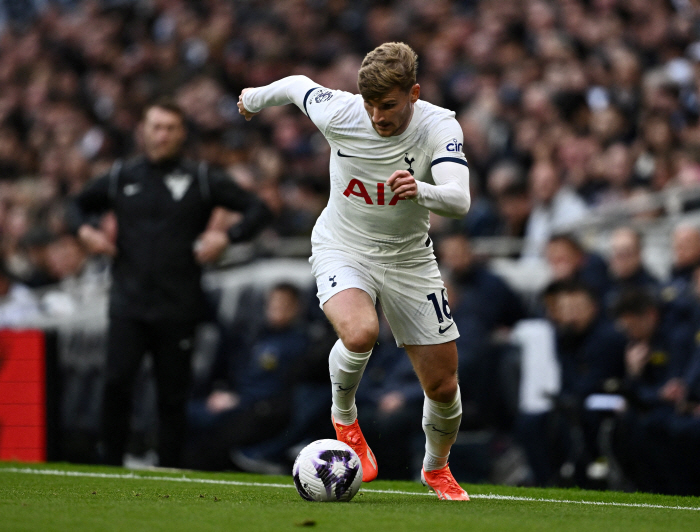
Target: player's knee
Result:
[[442, 390], [361, 337]]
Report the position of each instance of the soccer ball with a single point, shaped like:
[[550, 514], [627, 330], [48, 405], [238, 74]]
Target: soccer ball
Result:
[[327, 471]]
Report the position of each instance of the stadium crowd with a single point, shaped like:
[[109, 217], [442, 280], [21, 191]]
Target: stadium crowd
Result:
[[567, 107]]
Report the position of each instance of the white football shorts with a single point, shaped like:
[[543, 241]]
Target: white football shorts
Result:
[[412, 295]]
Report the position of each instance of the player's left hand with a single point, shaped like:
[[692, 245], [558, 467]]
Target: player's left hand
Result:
[[210, 245], [402, 183]]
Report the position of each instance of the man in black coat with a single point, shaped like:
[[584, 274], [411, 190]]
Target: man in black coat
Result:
[[589, 347], [591, 358], [162, 204], [658, 363]]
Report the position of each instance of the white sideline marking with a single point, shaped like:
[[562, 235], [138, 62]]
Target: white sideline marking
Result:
[[488, 496]]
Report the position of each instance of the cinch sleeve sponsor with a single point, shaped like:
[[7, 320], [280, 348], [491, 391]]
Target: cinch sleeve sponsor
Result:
[[450, 195], [449, 141]]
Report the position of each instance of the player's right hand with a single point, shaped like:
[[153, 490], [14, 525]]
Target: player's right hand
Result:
[[241, 109], [403, 184]]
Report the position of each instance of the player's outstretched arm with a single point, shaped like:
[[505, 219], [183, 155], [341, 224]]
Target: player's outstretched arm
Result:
[[292, 89]]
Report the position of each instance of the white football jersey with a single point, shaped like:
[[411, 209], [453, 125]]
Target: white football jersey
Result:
[[363, 216]]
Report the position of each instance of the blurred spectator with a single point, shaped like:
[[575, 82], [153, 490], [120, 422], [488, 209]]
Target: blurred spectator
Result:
[[568, 261], [250, 402], [504, 175], [514, 206], [556, 208], [34, 263], [686, 254], [614, 171], [658, 352], [625, 265], [692, 374], [657, 361], [18, 305], [690, 402], [589, 347], [65, 257], [79, 278], [590, 352], [677, 292], [577, 155]]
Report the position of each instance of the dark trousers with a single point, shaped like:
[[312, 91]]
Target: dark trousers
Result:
[[658, 450], [170, 344], [552, 438], [209, 449]]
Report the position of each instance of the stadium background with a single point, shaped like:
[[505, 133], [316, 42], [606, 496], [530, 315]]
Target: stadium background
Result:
[[602, 91]]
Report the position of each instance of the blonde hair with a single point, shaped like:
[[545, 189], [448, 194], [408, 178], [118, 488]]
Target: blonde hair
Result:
[[393, 64]]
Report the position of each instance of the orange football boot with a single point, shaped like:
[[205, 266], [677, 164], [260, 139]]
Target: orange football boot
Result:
[[352, 435], [443, 484]]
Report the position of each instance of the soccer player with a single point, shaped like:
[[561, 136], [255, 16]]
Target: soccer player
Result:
[[394, 159]]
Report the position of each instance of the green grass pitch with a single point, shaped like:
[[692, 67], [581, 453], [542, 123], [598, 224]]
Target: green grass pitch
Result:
[[63, 497]]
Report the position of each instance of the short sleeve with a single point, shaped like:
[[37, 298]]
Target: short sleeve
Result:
[[448, 140]]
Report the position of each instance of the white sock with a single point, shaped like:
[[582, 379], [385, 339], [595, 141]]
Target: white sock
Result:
[[346, 369], [440, 424]]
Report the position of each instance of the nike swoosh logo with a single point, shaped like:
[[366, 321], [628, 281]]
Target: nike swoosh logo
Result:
[[441, 330], [370, 456], [343, 155]]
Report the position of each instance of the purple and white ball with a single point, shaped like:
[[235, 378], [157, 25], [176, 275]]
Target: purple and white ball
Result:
[[327, 471]]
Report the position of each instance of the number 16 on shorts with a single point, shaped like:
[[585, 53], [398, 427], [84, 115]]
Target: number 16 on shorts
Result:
[[442, 310]]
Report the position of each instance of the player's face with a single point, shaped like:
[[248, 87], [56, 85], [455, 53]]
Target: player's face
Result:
[[163, 134], [390, 114]]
